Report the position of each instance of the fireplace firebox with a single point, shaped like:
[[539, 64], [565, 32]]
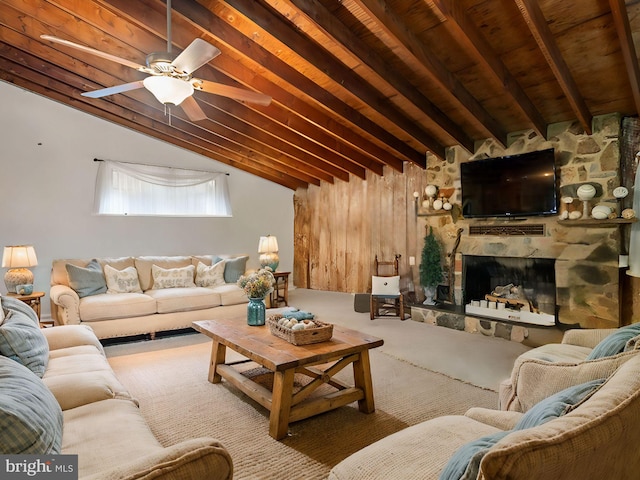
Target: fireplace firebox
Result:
[[520, 290]]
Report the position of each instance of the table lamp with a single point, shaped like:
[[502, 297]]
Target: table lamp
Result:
[[268, 250], [18, 258]]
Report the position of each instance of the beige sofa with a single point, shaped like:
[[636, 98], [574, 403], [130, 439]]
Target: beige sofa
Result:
[[150, 309], [58, 394], [598, 438]]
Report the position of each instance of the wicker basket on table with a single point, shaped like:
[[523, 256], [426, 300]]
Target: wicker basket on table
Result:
[[321, 333]]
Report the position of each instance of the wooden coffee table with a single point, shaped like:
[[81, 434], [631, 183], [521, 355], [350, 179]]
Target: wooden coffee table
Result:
[[319, 361]]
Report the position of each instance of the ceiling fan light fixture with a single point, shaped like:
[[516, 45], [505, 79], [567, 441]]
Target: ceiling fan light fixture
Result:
[[168, 89]]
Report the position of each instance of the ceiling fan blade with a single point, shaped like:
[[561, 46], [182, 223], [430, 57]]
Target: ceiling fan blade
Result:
[[93, 51], [103, 92], [192, 109], [231, 92], [195, 55]]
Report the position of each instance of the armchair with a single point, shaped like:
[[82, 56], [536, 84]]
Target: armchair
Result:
[[581, 356]]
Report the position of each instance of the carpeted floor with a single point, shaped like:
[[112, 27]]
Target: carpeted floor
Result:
[[169, 378]]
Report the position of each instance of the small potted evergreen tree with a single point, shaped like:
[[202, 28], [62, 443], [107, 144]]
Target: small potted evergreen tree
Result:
[[430, 267]]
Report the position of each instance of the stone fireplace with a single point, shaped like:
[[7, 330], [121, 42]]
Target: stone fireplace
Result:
[[520, 290], [581, 284]]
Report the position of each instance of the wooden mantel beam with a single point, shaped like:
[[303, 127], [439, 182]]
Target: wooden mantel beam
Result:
[[544, 37]]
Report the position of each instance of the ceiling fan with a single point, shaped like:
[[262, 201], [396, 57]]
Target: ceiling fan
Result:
[[170, 79]]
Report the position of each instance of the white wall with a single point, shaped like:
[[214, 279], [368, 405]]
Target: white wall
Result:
[[47, 184]]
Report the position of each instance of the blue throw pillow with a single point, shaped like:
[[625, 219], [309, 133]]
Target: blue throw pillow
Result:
[[557, 405], [465, 462], [614, 343], [234, 268], [30, 416], [87, 281], [21, 338]]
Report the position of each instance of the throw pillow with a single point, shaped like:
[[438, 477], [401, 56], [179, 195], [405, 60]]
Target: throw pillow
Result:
[[234, 268], [87, 281], [465, 462], [615, 342], [210, 276], [30, 416], [122, 281], [22, 341], [557, 404], [172, 277], [385, 285]]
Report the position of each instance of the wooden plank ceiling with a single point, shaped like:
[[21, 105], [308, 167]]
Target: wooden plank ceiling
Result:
[[356, 84]]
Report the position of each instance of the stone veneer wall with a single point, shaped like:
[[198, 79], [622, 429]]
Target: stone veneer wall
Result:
[[587, 271]]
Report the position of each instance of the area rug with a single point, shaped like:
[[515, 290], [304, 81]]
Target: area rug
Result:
[[169, 378]]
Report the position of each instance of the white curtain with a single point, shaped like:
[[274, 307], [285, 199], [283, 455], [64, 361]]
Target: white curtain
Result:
[[134, 189]]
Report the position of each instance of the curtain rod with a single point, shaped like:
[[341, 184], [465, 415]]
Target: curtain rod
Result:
[[151, 165]]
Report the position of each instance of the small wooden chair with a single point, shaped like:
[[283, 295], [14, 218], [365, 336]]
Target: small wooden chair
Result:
[[385, 289]]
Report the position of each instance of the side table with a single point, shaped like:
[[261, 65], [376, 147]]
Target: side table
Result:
[[280, 292], [33, 300]]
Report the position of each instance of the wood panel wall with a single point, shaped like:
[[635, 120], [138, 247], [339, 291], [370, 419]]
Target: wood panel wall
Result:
[[340, 227]]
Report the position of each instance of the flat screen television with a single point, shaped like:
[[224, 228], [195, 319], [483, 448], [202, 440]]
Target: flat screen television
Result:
[[511, 186]]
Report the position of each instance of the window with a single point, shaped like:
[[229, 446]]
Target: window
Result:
[[134, 189]]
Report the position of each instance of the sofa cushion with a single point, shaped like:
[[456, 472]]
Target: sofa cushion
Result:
[[106, 433], [21, 340], [234, 268], [116, 305], [615, 343], [80, 375], [230, 294], [208, 260], [59, 275], [122, 281], [210, 276], [183, 299], [416, 452], [145, 264], [172, 277], [87, 280], [30, 417]]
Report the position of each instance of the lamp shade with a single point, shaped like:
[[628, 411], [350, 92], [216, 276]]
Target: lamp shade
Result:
[[268, 244], [168, 89], [19, 256]]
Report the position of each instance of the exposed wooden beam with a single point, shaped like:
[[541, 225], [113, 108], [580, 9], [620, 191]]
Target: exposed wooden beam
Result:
[[212, 27], [542, 33], [343, 77], [252, 136], [16, 65], [467, 34], [433, 67], [621, 21], [293, 113], [318, 18]]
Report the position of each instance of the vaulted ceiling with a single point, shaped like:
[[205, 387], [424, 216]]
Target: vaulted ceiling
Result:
[[355, 84]]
